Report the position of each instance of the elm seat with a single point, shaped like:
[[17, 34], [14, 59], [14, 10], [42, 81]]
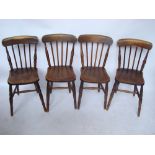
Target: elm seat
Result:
[[23, 76], [94, 75], [130, 76], [60, 74]]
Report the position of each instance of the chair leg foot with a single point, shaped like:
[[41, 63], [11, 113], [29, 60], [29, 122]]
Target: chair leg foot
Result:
[[114, 89], [80, 94], [11, 99], [74, 93], [40, 95], [140, 101]]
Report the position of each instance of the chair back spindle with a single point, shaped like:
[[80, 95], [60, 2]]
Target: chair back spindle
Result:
[[133, 53], [19, 50], [59, 49], [94, 50]]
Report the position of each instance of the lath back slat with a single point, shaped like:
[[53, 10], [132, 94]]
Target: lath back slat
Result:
[[61, 47], [22, 46], [93, 54], [135, 47]]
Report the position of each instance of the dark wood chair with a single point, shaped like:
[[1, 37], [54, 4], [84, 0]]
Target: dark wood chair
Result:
[[23, 65], [61, 47], [132, 57], [94, 54]]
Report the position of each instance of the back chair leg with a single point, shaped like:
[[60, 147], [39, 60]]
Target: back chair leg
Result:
[[74, 93], [11, 99], [105, 95], [17, 89], [40, 95], [114, 89], [134, 92], [69, 87], [140, 100], [80, 94], [98, 87]]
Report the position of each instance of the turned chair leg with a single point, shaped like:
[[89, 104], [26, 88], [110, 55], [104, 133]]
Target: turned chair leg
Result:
[[11, 99], [98, 87], [40, 95], [140, 100], [105, 95], [114, 89], [80, 94], [69, 87], [74, 93]]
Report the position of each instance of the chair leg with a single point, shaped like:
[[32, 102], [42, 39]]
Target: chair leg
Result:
[[40, 95], [114, 89], [105, 95], [17, 89], [80, 94], [51, 86], [69, 87], [48, 95], [11, 99], [134, 90], [98, 87], [140, 100], [74, 93]]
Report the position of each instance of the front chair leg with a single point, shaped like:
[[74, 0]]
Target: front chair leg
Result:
[[74, 93], [140, 100], [114, 89], [80, 94], [51, 86], [105, 95], [11, 99], [40, 95], [48, 91]]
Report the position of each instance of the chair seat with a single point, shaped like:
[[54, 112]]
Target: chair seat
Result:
[[23, 76], [60, 74], [130, 76], [94, 75]]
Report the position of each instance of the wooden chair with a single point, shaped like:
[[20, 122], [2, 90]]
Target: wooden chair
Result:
[[132, 57], [96, 48], [61, 47], [19, 50]]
